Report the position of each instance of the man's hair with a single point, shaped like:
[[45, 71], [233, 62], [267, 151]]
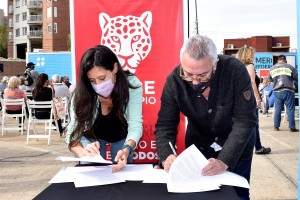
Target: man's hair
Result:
[[198, 47], [56, 78], [281, 57]]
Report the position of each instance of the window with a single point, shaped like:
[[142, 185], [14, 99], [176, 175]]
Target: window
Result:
[[24, 2], [24, 30], [55, 12], [55, 27], [49, 12], [24, 16], [18, 3], [17, 17], [49, 27], [17, 32]]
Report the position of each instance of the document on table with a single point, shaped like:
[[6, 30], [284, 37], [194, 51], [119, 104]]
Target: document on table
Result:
[[95, 159], [185, 174]]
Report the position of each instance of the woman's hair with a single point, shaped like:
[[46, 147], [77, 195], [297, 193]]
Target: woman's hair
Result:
[[198, 47], [40, 82], [246, 54], [13, 82], [85, 98]]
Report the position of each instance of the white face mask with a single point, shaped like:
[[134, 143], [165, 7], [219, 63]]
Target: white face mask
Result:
[[105, 88]]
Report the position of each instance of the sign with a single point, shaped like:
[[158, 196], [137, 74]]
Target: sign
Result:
[[52, 63], [147, 37], [263, 60]]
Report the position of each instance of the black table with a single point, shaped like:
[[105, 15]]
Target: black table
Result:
[[130, 190]]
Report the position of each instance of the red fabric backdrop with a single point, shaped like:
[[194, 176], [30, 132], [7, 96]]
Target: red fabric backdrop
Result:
[[155, 46]]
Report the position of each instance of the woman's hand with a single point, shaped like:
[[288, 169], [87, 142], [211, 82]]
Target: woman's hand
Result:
[[121, 159], [91, 149]]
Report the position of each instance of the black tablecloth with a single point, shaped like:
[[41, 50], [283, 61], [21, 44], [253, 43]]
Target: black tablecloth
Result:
[[130, 190]]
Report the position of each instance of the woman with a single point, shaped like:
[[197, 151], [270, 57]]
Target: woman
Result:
[[42, 92], [246, 55], [13, 92], [106, 107]]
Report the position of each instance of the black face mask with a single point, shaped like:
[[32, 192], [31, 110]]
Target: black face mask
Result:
[[201, 87]]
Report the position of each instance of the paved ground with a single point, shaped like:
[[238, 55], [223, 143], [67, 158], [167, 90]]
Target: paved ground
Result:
[[26, 169]]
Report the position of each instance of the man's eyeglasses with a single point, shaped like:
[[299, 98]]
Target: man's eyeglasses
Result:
[[204, 77]]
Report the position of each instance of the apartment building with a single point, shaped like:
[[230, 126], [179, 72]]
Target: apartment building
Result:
[[260, 43], [37, 26]]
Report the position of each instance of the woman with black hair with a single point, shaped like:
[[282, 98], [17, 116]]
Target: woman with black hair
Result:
[[106, 107], [42, 92]]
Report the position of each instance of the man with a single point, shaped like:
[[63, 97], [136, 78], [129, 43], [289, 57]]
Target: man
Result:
[[215, 94], [284, 77], [3, 85], [33, 73], [60, 89]]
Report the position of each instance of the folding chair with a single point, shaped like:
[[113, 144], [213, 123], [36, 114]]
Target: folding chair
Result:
[[66, 118], [12, 124], [33, 121]]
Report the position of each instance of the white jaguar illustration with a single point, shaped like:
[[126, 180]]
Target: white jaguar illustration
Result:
[[128, 36]]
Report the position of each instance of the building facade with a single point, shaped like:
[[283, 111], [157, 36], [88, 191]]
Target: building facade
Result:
[[260, 43], [37, 26]]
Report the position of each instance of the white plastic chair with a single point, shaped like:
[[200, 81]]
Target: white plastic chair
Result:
[[33, 121], [12, 124], [66, 118]]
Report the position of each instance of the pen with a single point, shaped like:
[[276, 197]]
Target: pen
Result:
[[173, 149]]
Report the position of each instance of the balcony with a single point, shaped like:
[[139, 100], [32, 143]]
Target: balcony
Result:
[[35, 34], [34, 3], [35, 19]]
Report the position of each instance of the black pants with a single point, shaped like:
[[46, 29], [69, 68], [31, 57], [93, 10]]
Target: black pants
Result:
[[16, 112]]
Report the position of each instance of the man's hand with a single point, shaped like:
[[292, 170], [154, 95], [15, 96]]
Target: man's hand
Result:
[[214, 167], [168, 162]]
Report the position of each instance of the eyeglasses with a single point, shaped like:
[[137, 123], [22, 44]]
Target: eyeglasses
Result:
[[198, 77]]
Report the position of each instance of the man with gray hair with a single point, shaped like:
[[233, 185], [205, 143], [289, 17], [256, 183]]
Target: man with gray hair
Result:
[[214, 92], [59, 88]]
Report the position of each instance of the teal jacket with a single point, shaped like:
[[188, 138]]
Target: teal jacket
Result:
[[133, 113]]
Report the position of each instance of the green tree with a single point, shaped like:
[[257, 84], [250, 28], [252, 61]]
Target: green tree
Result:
[[3, 42]]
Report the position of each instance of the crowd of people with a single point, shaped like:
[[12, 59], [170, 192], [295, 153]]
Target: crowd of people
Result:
[[39, 88], [219, 95]]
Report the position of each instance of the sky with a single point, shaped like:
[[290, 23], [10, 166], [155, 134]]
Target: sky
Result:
[[219, 19], [226, 19]]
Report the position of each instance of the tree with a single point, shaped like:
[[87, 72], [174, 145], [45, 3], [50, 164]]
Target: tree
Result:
[[3, 42]]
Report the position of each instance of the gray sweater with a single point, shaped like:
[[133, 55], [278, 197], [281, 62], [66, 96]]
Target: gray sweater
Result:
[[228, 117]]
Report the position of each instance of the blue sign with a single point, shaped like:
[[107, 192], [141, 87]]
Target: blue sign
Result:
[[263, 60], [52, 63]]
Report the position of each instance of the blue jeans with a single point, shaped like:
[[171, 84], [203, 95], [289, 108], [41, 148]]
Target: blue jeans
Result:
[[286, 98], [243, 168], [114, 148]]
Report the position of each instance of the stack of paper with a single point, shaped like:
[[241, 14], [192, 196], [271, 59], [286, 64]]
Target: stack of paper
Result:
[[184, 175]]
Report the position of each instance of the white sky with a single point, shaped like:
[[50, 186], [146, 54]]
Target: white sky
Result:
[[224, 19]]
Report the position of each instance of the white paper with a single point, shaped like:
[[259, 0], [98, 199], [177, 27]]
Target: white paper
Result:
[[156, 176], [185, 174], [136, 172], [62, 177], [96, 159]]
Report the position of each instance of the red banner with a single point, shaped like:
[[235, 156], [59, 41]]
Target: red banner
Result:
[[147, 37]]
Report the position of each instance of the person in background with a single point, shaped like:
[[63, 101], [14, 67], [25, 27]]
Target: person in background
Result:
[[30, 68], [246, 55], [43, 91], [13, 92], [60, 89], [215, 94], [106, 107], [22, 86], [284, 76], [3, 85], [266, 93]]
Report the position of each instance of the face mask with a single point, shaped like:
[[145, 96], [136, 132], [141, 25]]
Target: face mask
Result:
[[105, 88], [200, 88]]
